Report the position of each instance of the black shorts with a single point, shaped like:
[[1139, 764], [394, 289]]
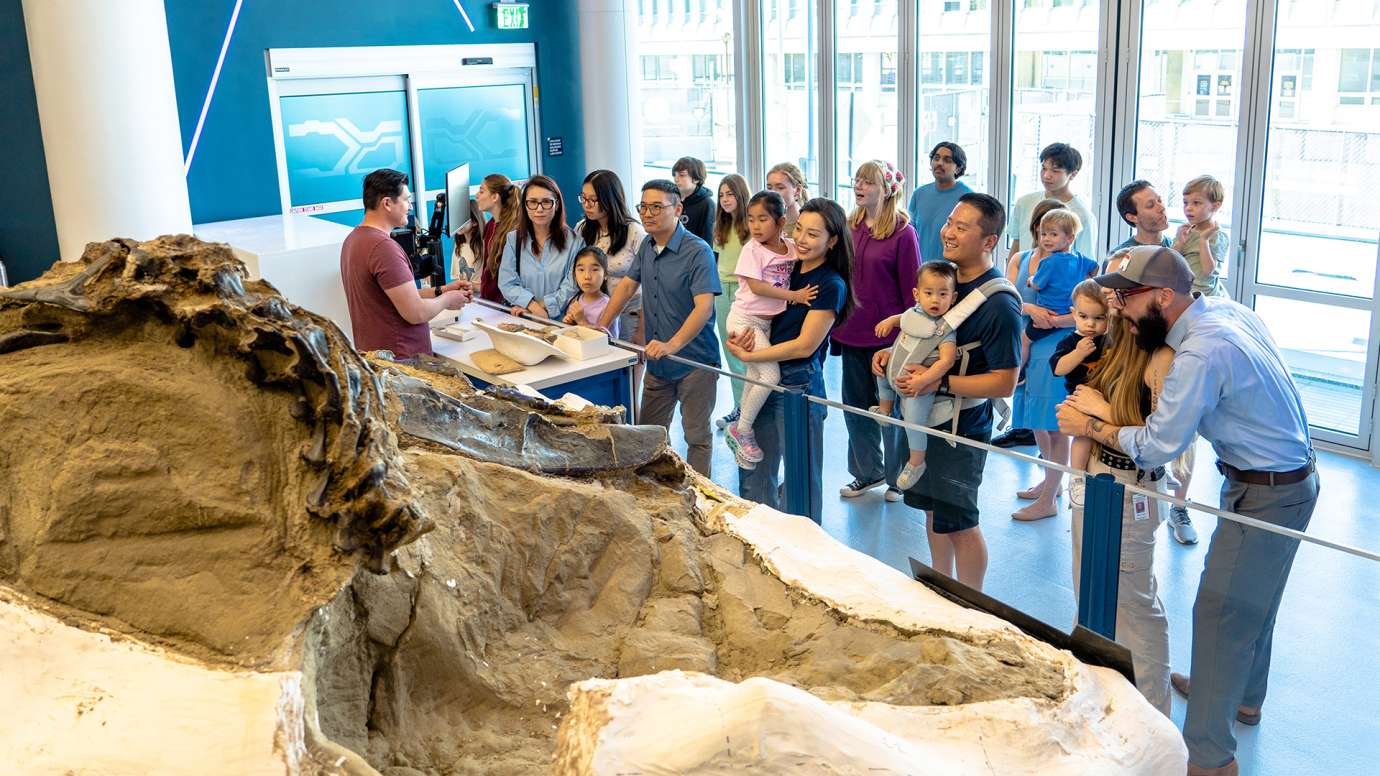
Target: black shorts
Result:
[[949, 486]]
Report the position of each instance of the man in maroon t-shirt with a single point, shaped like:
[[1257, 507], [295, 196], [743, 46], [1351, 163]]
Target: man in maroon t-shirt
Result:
[[387, 310]]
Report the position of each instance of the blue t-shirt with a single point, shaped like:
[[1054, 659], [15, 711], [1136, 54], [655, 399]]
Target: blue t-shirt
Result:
[[670, 282], [1055, 278], [786, 326], [997, 326], [929, 209]]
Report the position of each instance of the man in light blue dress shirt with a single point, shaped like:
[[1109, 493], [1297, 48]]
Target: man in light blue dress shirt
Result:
[[1230, 384]]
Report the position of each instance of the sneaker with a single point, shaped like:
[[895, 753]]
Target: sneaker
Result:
[[727, 420], [743, 444], [858, 487], [909, 476], [1016, 437], [1076, 489], [893, 495], [1182, 526]]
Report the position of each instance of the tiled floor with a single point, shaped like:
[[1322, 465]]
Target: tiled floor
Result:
[[1323, 712]]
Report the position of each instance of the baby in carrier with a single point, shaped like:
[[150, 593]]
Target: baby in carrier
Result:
[[925, 339]]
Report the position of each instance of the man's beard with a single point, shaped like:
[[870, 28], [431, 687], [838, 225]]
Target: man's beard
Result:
[[1152, 329]]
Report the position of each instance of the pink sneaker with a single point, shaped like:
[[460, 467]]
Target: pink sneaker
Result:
[[743, 444]]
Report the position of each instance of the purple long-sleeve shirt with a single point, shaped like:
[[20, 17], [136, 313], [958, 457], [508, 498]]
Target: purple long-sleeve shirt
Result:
[[884, 273]]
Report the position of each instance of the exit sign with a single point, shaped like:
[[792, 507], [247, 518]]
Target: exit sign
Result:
[[510, 16]]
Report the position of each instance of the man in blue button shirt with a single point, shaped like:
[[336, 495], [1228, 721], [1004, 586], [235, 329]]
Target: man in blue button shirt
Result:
[[679, 281], [1230, 384]]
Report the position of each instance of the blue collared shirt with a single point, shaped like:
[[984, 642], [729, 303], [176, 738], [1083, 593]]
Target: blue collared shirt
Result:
[[546, 277], [1230, 384], [670, 282]]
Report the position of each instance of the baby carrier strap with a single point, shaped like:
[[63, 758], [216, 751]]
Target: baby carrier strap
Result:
[[947, 408]]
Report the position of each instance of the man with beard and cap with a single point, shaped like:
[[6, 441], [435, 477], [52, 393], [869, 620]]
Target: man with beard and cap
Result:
[[1230, 384]]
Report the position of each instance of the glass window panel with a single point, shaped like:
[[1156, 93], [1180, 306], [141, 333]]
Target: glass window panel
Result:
[[484, 126], [1355, 63], [866, 110], [688, 108], [1318, 229], [332, 141], [1187, 117], [954, 110], [1327, 357], [790, 115], [1054, 101]]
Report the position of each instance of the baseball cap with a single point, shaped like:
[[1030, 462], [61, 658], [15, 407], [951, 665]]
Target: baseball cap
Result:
[[1149, 265]]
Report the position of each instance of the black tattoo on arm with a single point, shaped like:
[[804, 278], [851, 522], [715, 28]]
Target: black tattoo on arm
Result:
[[1104, 433]]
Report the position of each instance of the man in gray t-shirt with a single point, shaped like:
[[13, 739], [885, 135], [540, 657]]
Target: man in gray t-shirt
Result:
[[1141, 207]]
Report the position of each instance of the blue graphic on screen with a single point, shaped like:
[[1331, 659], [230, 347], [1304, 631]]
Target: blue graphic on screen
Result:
[[333, 140], [485, 126]]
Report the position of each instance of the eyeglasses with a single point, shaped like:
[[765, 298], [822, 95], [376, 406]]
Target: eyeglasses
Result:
[[860, 182], [1122, 294], [588, 201], [541, 205], [651, 208]]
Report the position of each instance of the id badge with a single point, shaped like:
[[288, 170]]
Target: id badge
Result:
[[1140, 506]]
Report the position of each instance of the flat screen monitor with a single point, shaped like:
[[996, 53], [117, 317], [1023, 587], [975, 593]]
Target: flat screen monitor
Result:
[[457, 199]]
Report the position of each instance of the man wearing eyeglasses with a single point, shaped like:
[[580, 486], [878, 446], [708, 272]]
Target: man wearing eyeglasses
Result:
[[1230, 384], [387, 310], [679, 280]]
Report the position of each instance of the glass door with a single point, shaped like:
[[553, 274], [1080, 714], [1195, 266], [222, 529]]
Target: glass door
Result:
[[1310, 265]]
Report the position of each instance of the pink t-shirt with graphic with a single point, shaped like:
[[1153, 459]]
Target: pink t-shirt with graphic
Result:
[[759, 263]]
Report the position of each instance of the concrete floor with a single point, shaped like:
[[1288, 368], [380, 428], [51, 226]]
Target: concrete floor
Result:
[[1323, 712]]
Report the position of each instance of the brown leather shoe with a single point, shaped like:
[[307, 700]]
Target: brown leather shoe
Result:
[[1244, 714], [1230, 769]]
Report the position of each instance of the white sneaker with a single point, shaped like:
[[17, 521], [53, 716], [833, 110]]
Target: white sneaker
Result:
[[893, 495], [1076, 487], [1182, 526], [909, 476]]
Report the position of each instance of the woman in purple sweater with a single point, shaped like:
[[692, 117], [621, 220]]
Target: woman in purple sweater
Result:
[[886, 259]]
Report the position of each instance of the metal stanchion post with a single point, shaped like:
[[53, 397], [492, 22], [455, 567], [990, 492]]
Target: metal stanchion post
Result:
[[1101, 555], [796, 414]]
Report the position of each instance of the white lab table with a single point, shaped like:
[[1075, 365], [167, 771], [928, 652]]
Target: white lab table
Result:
[[605, 379]]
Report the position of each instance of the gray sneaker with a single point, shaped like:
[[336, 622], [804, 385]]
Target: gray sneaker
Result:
[[1182, 526]]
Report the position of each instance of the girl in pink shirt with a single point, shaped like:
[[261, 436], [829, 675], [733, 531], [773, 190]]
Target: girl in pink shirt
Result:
[[591, 272], [764, 281]]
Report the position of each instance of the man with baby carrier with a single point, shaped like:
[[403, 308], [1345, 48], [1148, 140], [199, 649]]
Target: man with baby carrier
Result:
[[987, 330]]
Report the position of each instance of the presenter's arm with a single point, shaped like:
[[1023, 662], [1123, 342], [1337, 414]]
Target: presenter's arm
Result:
[[408, 300]]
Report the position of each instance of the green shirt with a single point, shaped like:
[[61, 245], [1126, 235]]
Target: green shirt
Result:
[[728, 257]]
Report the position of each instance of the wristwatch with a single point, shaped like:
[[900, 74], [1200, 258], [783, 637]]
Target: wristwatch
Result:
[[944, 385]]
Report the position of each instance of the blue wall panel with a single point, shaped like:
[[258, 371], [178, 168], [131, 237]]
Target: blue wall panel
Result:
[[28, 233], [234, 174]]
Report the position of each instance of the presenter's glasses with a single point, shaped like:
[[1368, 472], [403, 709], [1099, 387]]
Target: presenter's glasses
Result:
[[541, 205]]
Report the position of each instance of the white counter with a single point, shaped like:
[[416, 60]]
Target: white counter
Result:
[[553, 371]]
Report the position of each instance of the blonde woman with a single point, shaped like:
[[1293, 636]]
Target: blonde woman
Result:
[[730, 234], [1131, 378], [788, 180], [886, 263]]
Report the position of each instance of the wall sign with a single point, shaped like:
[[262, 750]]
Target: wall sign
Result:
[[555, 146], [510, 16]]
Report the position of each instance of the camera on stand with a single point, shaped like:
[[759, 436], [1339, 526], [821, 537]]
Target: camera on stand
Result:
[[423, 246]]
